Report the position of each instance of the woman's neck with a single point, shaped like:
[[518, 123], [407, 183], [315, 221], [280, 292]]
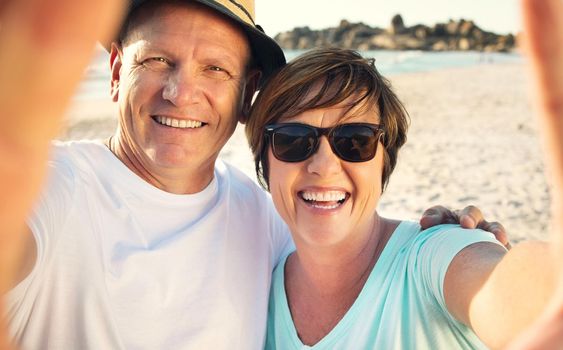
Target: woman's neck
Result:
[[335, 269], [322, 284]]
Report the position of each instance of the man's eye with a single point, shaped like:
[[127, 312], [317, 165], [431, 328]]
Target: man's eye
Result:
[[157, 62], [216, 69], [217, 72], [160, 59]]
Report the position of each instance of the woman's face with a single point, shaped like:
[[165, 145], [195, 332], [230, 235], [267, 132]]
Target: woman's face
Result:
[[324, 199]]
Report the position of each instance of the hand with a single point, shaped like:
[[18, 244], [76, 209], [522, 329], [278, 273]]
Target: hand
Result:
[[469, 217], [543, 30], [44, 48]]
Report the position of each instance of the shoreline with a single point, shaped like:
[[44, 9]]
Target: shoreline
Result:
[[472, 140]]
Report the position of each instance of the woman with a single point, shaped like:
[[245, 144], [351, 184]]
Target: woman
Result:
[[325, 133]]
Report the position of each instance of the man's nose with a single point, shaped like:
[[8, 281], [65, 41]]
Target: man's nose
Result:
[[181, 88], [324, 162]]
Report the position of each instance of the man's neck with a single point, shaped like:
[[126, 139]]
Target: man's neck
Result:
[[187, 180]]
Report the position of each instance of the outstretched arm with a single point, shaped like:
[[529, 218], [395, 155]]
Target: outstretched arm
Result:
[[498, 294], [44, 48], [543, 24]]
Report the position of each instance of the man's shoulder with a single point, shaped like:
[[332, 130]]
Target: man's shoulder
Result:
[[237, 178], [69, 159], [69, 151], [242, 188]]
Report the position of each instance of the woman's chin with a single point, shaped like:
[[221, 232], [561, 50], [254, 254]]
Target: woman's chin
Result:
[[320, 230], [319, 238]]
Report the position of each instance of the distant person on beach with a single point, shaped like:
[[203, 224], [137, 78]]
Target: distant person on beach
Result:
[[145, 240], [325, 132]]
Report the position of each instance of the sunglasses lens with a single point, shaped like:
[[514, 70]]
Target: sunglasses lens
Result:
[[293, 143], [355, 143]]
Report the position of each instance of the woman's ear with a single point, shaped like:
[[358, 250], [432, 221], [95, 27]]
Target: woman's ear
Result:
[[251, 88]]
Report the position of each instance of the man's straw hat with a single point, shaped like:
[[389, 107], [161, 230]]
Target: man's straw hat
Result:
[[266, 52]]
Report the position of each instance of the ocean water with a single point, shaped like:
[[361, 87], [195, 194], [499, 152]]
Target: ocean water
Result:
[[96, 84]]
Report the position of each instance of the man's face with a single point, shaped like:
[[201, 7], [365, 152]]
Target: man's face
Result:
[[180, 80]]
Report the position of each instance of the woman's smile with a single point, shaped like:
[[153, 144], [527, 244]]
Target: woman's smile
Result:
[[323, 200]]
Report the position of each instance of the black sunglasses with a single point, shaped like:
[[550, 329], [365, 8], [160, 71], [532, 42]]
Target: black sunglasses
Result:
[[352, 142]]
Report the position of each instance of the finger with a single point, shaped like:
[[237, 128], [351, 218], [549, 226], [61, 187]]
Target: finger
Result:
[[437, 215], [470, 217], [498, 230]]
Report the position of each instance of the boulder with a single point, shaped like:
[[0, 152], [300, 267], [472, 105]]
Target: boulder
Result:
[[421, 32], [452, 28], [439, 30], [464, 44], [397, 25], [440, 45], [466, 28], [452, 35]]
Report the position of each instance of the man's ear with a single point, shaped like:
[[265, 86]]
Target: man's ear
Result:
[[115, 61], [252, 81]]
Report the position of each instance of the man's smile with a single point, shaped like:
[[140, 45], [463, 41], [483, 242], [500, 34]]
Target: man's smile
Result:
[[178, 123]]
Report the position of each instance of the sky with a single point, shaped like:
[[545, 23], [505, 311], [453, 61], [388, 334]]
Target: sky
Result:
[[500, 16]]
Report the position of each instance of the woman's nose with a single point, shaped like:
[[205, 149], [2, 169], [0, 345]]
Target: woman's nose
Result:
[[324, 162]]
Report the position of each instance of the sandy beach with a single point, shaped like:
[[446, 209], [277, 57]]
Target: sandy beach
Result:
[[473, 140]]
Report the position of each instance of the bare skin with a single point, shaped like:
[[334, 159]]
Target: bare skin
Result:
[[543, 24], [498, 294], [483, 285], [316, 308], [532, 271], [34, 46]]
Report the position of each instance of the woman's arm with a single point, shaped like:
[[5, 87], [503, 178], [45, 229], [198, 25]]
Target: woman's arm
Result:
[[499, 295], [543, 23]]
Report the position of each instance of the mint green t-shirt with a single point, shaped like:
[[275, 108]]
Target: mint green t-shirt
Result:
[[402, 304]]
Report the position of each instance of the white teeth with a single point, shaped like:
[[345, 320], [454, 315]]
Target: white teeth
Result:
[[178, 123], [328, 196], [328, 207]]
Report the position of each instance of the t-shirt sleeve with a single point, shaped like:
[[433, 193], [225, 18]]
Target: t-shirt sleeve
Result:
[[435, 249]]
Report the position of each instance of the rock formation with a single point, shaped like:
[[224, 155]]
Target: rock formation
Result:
[[454, 35]]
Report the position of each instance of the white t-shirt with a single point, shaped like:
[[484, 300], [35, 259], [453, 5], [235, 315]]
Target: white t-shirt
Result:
[[124, 265]]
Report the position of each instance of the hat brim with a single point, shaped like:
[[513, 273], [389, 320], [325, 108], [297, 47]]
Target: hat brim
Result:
[[267, 54]]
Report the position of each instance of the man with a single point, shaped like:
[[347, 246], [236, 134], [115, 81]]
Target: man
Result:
[[144, 241]]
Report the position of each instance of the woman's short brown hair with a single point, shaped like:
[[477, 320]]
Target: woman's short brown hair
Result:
[[341, 74]]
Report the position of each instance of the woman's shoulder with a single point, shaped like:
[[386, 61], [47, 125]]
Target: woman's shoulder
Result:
[[445, 239]]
